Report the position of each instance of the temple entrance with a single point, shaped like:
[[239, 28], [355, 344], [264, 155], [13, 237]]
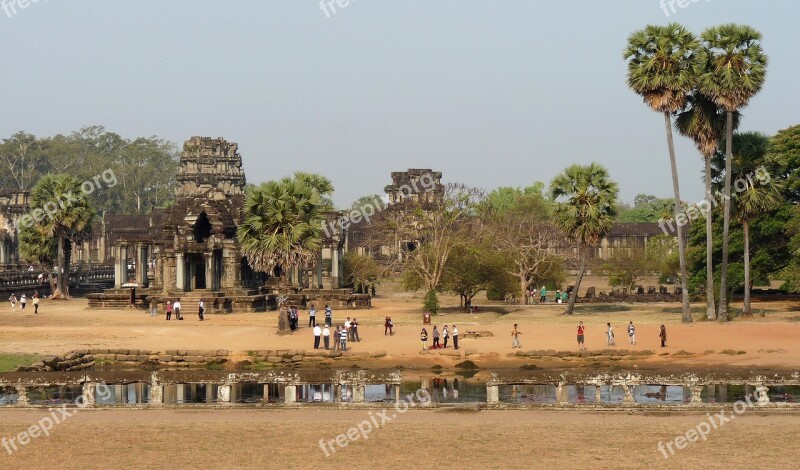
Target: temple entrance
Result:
[[196, 269]]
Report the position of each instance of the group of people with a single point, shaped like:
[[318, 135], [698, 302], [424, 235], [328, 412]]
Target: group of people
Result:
[[561, 297], [312, 316], [175, 307], [437, 336], [341, 335], [515, 333], [23, 300]]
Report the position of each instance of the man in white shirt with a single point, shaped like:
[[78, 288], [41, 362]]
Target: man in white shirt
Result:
[[326, 337], [177, 308], [312, 316], [201, 308], [317, 334], [347, 328], [455, 337]]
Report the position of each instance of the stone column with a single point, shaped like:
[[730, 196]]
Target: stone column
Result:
[[123, 260], [141, 264], [3, 252], [209, 261], [156, 391], [492, 394], [696, 391], [359, 393], [761, 393], [335, 268], [319, 272], [224, 394], [180, 272], [628, 399], [266, 394], [598, 395], [88, 393], [290, 395], [22, 396], [562, 396], [119, 274]]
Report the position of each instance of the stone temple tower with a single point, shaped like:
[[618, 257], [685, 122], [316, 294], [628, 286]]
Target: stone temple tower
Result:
[[211, 168]]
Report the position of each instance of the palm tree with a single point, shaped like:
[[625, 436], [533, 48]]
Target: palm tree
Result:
[[585, 210], [757, 192], [703, 121], [734, 68], [282, 226], [65, 214], [662, 68]]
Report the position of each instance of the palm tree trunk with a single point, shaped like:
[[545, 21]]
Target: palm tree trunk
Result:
[[686, 310], [574, 296], [746, 311], [726, 221], [60, 271], [711, 309]]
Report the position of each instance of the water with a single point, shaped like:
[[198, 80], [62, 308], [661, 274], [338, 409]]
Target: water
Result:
[[445, 390], [54, 395], [8, 396]]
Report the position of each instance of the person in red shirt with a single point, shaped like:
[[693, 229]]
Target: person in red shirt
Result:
[[581, 342]]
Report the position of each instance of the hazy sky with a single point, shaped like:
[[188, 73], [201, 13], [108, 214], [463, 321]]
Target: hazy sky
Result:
[[492, 94]]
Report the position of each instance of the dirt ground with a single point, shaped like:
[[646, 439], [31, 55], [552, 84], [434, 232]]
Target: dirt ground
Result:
[[770, 341], [488, 439]]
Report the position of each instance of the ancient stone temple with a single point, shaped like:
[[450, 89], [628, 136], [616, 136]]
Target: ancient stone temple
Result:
[[13, 204]]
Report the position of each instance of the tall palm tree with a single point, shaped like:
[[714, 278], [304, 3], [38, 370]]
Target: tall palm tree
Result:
[[585, 210], [757, 191], [703, 121], [282, 226], [733, 70], [662, 68], [67, 215]]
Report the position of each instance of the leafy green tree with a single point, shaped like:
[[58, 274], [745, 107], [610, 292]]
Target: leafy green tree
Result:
[[22, 154], [784, 150], [39, 250], [757, 192], [662, 66], [733, 70], [58, 211], [431, 302], [585, 210], [703, 121], [282, 226], [472, 268], [320, 184], [646, 208], [362, 272]]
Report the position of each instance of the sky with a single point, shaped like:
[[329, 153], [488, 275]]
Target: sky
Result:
[[491, 93]]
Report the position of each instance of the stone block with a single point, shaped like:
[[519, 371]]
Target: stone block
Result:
[[378, 354], [470, 352], [222, 352]]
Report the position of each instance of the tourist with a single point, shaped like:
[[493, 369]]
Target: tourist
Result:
[[326, 337], [35, 303], [455, 337], [347, 329], [13, 300], [328, 316], [387, 327], [317, 334], [435, 337], [423, 336], [515, 337], [610, 335], [343, 335], [558, 295], [663, 335], [543, 295], [292, 318], [295, 316], [446, 336], [169, 310], [201, 308], [631, 333], [354, 329], [177, 307], [564, 297], [581, 341], [337, 334], [22, 301], [312, 316]]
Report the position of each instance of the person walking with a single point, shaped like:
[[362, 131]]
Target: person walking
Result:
[[515, 337], [35, 303], [354, 327], [343, 334], [201, 309], [423, 336], [387, 327], [455, 337], [663, 335], [169, 310], [337, 334], [13, 300], [581, 337], [445, 335], [177, 307], [317, 334], [610, 335], [326, 337], [22, 301], [328, 316], [435, 337], [543, 295], [312, 316], [631, 333]]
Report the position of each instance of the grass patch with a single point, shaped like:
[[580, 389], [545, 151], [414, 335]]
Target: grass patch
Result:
[[602, 308], [9, 362]]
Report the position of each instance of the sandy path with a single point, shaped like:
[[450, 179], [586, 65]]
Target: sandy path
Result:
[[416, 439]]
